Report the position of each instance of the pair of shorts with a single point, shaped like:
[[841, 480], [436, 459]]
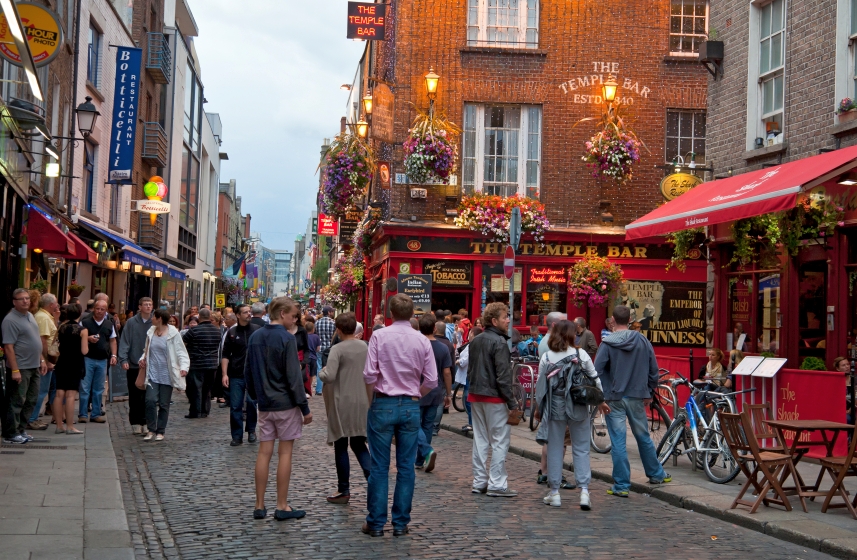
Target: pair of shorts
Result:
[[284, 425]]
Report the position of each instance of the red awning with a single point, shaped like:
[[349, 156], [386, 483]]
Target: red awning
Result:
[[82, 250], [44, 236], [772, 189]]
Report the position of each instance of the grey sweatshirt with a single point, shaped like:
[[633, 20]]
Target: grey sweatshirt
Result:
[[627, 364], [132, 341]]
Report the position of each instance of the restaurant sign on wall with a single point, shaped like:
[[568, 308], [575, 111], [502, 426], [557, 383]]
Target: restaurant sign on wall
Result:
[[668, 312], [454, 274]]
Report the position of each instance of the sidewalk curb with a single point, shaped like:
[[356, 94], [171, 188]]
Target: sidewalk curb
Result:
[[839, 545]]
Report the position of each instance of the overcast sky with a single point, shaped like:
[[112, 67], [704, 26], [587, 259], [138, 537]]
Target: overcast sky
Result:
[[272, 69]]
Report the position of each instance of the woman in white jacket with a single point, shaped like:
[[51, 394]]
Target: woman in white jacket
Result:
[[163, 367]]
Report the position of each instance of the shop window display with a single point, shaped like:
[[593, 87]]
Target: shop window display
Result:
[[812, 321], [495, 287]]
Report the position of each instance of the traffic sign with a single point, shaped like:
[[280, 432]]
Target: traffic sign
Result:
[[509, 262]]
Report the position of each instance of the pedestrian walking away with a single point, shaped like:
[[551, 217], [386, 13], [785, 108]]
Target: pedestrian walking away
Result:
[[400, 368], [232, 366], [489, 373], [440, 332], [629, 374], [314, 347], [101, 336], [22, 346], [70, 369], [346, 404], [163, 367], [132, 342], [439, 396], [559, 412], [275, 382], [325, 329], [203, 347]]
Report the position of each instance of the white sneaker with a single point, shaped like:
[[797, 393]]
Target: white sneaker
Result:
[[552, 500], [135, 429], [584, 500], [149, 437]]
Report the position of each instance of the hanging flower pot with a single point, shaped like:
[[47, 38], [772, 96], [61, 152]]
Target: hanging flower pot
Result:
[[592, 279], [489, 215], [350, 164], [431, 153]]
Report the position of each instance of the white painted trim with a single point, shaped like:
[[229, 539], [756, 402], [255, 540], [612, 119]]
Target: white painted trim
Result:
[[845, 53]]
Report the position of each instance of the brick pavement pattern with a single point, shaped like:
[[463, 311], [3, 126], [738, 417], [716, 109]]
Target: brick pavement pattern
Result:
[[191, 496]]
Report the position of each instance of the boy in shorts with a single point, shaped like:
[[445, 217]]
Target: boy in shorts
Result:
[[275, 381]]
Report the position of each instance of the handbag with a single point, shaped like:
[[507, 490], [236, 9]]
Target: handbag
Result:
[[515, 416]]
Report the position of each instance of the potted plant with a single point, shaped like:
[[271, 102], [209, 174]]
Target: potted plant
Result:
[[711, 50], [431, 152], [847, 110], [592, 279], [41, 285], [75, 289], [350, 165]]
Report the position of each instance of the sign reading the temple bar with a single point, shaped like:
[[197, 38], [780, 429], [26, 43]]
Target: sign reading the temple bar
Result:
[[454, 274], [44, 34], [327, 226], [418, 288], [124, 130], [548, 275], [367, 21], [669, 312], [677, 184]]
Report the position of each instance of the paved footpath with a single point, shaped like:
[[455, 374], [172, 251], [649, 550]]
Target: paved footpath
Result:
[[192, 497]]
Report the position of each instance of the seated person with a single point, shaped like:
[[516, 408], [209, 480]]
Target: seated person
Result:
[[530, 347], [713, 371]]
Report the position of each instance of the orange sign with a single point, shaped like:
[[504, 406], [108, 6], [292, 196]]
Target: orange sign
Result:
[[414, 245], [44, 34]]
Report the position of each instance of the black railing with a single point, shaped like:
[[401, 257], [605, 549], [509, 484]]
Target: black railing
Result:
[[159, 61]]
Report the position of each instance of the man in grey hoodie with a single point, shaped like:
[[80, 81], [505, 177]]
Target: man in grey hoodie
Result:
[[629, 377]]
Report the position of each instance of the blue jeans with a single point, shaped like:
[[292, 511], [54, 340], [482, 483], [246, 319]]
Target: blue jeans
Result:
[[237, 397], [44, 389], [635, 411], [388, 417], [92, 386], [318, 383], [427, 414]]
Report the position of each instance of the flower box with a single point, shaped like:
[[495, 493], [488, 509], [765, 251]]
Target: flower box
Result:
[[848, 116]]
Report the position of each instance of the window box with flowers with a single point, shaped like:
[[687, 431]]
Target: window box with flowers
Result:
[[847, 110], [489, 215]]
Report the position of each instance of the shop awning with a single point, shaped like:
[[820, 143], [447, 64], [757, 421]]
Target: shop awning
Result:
[[45, 236], [82, 251], [134, 253], [772, 189]]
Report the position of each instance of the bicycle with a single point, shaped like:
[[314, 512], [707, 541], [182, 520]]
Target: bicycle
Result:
[[702, 441], [458, 397], [599, 440], [663, 400]]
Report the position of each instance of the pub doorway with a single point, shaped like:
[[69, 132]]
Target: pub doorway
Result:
[[449, 300]]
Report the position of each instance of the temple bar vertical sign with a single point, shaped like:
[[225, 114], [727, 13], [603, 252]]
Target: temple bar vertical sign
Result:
[[124, 129]]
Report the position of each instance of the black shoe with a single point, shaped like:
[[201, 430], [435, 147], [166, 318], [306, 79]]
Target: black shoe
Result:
[[236, 442], [371, 532], [191, 416], [251, 437], [260, 513], [204, 415], [282, 515], [445, 411], [400, 532]]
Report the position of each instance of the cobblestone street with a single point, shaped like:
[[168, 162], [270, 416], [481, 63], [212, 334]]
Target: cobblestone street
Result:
[[192, 497]]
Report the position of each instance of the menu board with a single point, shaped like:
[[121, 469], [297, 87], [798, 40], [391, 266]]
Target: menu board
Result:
[[748, 365], [500, 284], [418, 288], [769, 367]]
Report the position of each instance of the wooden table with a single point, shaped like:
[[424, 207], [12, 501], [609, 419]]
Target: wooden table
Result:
[[801, 426]]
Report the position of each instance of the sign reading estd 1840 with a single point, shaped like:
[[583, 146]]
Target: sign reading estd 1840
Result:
[[367, 21]]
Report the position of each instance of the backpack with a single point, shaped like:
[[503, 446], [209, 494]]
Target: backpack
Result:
[[583, 389]]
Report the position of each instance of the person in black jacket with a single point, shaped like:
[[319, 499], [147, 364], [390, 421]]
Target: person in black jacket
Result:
[[203, 347], [101, 335]]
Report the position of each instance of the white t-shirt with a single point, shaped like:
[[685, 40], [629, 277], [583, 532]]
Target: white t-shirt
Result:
[[112, 329]]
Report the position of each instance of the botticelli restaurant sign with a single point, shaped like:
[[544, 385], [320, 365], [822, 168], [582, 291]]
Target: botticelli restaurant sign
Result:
[[454, 274], [367, 21], [677, 184], [44, 34], [124, 130], [548, 275]]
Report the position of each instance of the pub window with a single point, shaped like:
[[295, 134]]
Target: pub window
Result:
[[688, 26], [502, 149], [685, 136], [503, 23], [496, 288], [547, 291]]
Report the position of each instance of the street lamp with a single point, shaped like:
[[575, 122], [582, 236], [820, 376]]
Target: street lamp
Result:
[[431, 83], [367, 103], [609, 89], [362, 128], [87, 114]]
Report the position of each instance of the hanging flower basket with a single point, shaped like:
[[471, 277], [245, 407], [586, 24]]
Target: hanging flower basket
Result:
[[611, 153], [431, 153], [348, 274], [74, 289], [362, 239], [350, 165], [592, 279], [489, 215]]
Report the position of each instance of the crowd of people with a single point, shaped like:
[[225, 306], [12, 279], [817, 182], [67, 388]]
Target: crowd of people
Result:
[[266, 362]]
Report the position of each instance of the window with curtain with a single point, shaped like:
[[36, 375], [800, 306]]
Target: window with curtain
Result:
[[503, 23]]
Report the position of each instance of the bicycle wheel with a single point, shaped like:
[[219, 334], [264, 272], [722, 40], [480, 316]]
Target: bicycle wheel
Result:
[[534, 423], [659, 423], [720, 466], [671, 439], [458, 398], [600, 439]]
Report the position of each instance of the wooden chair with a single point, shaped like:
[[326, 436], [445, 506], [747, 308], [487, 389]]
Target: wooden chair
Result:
[[768, 464], [840, 468], [762, 431]]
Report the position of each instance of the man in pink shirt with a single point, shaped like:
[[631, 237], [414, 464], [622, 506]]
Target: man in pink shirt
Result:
[[400, 368]]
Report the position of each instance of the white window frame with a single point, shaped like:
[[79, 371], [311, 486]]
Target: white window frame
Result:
[[97, 54], [755, 79], [478, 19], [701, 36], [845, 82], [693, 137], [524, 132]]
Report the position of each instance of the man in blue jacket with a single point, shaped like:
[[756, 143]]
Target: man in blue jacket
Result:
[[629, 377], [275, 381]]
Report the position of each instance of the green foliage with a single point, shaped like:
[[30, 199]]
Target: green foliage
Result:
[[41, 285], [322, 264], [813, 364], [768, 355], [682, 242]]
